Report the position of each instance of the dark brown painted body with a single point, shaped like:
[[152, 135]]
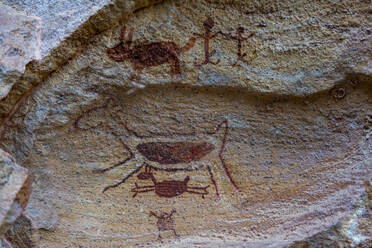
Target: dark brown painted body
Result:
[[175, 152], [170, 188], [148, 55], [166, 188]]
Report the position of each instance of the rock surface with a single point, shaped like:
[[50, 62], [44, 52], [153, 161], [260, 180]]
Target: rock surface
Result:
[[164, 141], [19, 44], [353, 231], [15, 188], [59, 18]]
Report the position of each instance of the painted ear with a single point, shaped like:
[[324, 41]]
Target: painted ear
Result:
[[122, 34]]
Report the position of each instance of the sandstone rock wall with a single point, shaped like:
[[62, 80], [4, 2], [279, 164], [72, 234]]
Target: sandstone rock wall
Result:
[[195, 123]]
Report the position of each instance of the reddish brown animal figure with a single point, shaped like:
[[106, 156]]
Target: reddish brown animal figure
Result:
[[147, 55], [240, 39], [166, 188], [175, 152], [165, 222], [207, 36], [171, 153]]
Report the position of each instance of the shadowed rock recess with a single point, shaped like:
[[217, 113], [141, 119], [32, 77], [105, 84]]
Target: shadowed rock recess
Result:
[[185, 124]]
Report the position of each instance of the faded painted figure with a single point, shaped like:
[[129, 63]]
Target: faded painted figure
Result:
[[239, 39], [207, 36], [147, 55], [170, 188], [165, 222], [172, 153]]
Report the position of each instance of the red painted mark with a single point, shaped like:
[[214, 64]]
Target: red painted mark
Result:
[[166, 188], [175, 152], [166, 153], [207, 36], [147, 55], [165, 222], [240, 39]]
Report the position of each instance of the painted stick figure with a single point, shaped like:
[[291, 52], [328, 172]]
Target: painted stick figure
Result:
[[240, 39], [207, 36], [165, 222]]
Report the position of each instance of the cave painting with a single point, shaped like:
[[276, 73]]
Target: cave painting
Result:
[[158, 53], [240, 39], [165, 222], [166, 188], [170, 154], [207, 36], [147, 55]]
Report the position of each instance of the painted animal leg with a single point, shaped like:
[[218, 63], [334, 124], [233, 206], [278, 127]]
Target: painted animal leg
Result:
[[175, 234], [240, 58], [123, 180], [213, 180], [120, 163], [210, 55], [227, 171], [135, 74], [175, 67], [203, 188], [197, 192], [160, 238], [225, 131], [141, 189]]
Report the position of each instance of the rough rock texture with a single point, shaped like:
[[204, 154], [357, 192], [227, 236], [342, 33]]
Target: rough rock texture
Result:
[[37, 71], [176, 138], [354, 231], [59, 18], [20, 235], [19, 44], [15, 189]]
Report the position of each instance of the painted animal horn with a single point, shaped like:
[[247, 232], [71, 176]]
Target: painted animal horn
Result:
[[130, 36], [122, 34]]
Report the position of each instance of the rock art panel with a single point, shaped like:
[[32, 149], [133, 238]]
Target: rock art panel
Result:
[[188, 154], [206, 122], [125, 154]]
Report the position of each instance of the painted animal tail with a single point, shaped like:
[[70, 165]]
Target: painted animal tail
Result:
[[190, 44], [224, 125]]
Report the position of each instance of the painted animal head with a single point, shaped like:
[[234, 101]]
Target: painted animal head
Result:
[[147, 174], [208, 24], [121, 51]]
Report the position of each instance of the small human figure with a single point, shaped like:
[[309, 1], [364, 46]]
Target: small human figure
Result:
[[240, 39], [207, 36], [165, 222]]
